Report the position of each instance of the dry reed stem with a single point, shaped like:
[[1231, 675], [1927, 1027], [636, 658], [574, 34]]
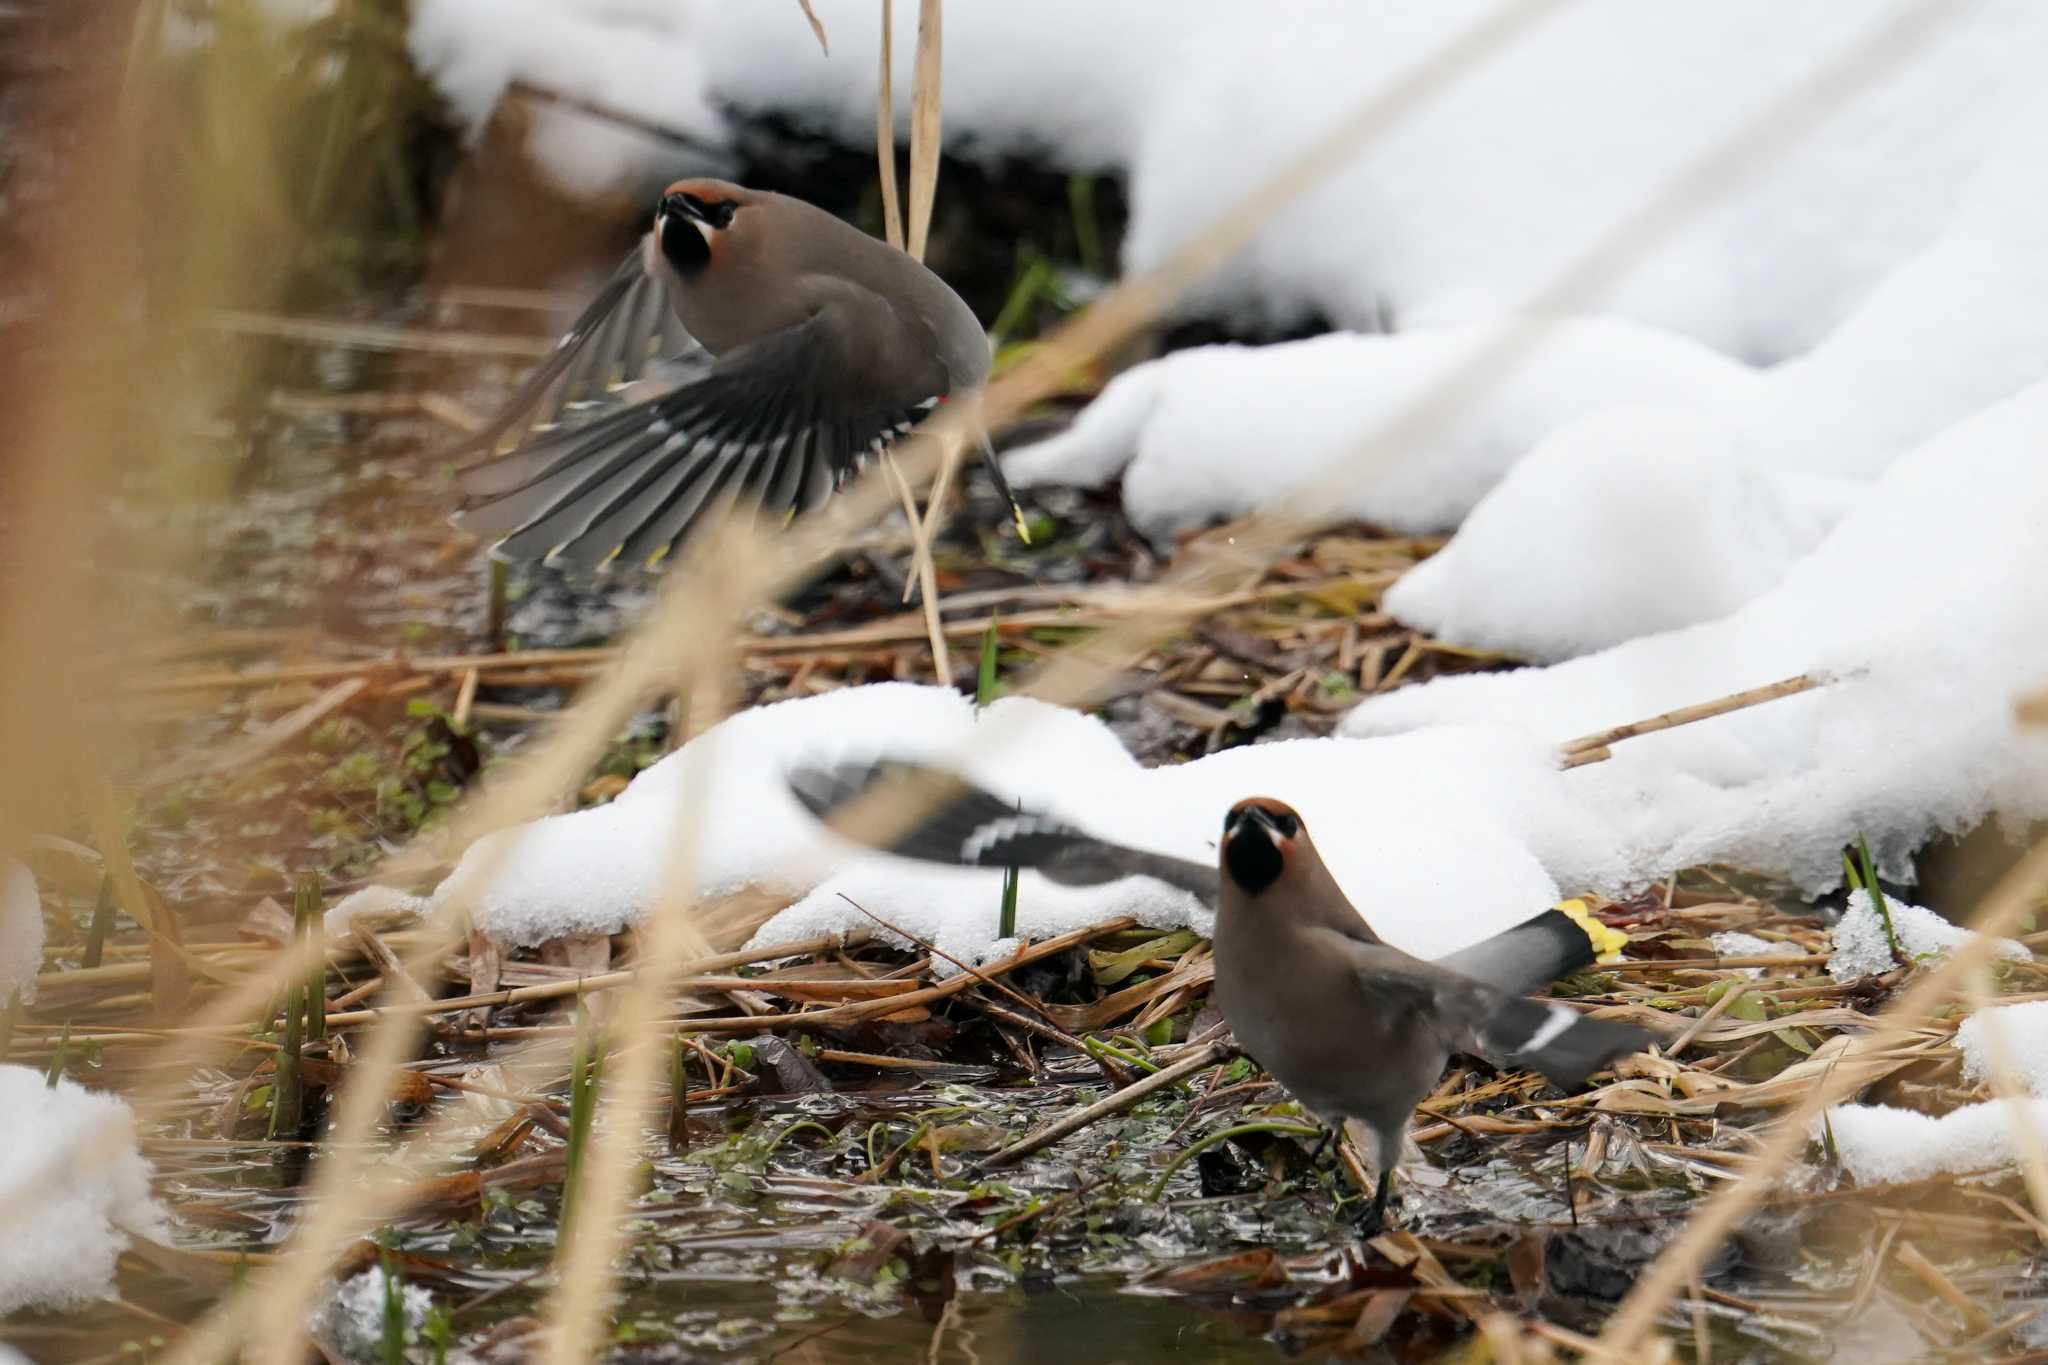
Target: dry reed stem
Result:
[[924, 179], [924, 572], [817, 27], [924, 126], [336, 1202], [686, 629], [1714, 1221], [597, 1228], [1203, 1054], [885, 132], [1594, 748]]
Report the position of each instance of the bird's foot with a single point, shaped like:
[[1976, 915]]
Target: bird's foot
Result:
[[1373, 1221], [1369, 1222]]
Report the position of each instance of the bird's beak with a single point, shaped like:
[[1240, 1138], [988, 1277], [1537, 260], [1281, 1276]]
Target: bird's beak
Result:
[[1252, 819], [678, 206]]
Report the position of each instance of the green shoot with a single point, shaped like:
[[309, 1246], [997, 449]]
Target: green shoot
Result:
[[102, 917], [392, 1343], [437, 1331], [679, 1098], [1035, 279], [1006, 922], [985, 685], [1884, 912], [1087, 230], [306, 914], [495, 609], [583, 1081], [287, 1096], [985, 682], [56, 1071]]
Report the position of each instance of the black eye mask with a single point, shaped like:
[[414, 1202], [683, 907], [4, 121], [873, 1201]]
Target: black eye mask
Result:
[[681, 242], [1252, 859]]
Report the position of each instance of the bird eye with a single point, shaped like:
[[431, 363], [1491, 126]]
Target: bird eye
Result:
[[1285, 825], [713, 213]]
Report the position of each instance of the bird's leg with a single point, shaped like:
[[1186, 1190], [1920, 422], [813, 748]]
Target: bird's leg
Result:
[[1374, 1220]]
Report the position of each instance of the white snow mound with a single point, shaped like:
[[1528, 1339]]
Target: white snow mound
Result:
[[1628, 523], [75, 1187], [1881, 1145], [1861, 947], [1909, 603], [1433, 857], [2023, 1032]]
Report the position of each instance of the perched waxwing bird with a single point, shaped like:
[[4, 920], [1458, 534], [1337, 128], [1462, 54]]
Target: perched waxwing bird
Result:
[[822, 344], [1356, 1029]]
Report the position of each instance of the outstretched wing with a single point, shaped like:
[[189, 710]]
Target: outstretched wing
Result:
[[765, 428], [966, 825], [611, 342]]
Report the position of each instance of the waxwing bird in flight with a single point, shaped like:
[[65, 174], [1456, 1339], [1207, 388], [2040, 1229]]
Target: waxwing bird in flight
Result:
[[821, 345]]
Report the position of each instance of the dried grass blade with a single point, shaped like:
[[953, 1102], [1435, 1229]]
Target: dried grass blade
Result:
[[924, 125]]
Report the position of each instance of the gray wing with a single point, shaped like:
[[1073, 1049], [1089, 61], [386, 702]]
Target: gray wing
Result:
[[968, 826], [1527, 957], [768, 428], [1450, 1007], [612, 341]]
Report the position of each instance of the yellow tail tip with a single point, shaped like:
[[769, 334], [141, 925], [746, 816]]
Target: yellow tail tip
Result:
[[1607, 942], [1023, 529]]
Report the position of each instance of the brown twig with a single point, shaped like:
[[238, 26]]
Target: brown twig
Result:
[[1206, 1054], [1594, 748]]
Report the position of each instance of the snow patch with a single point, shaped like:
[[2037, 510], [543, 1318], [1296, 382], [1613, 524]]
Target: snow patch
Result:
[[1454, 213], [1628, 523], [351, 1322], [1862, 949], [1908, 604], [1878, 1144], [76, 1190], [1434, 859], [371, 903], [2023, 1031]]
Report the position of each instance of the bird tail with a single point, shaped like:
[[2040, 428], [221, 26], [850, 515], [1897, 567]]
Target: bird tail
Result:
[[1539, 950], [1558, 1041]]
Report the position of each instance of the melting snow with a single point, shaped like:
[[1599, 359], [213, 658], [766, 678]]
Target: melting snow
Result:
[[2023, 1031], [1861, 947], [1879, 1144], [75, 1189]]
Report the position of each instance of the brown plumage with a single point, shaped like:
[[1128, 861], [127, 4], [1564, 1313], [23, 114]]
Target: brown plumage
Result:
[[823, 345], [1354, 1028]]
